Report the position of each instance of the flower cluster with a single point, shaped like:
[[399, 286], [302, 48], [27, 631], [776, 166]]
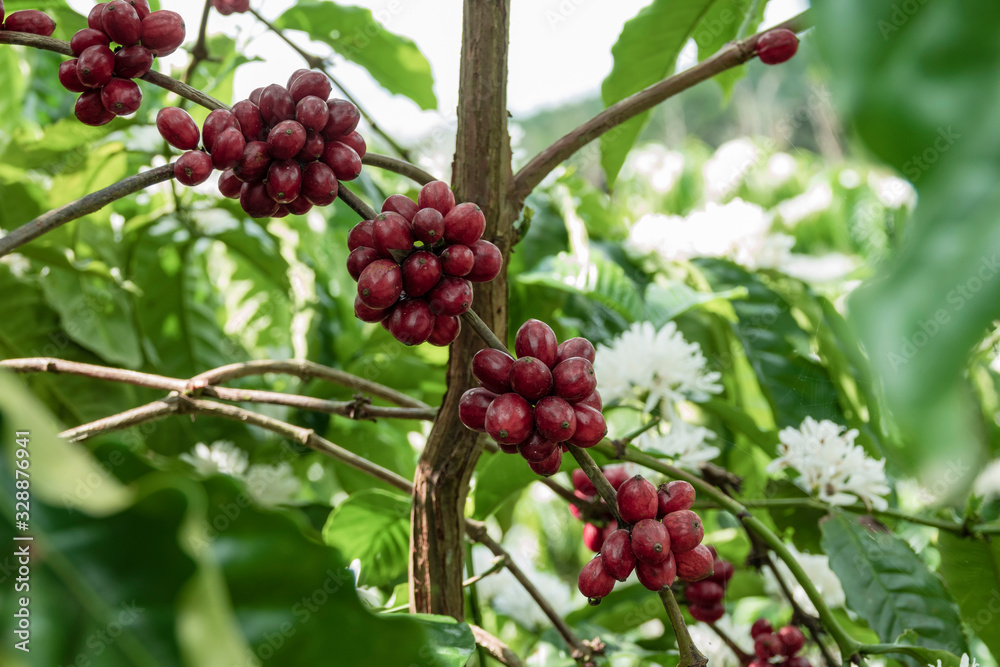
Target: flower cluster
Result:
[[267, 484], [831, 465]]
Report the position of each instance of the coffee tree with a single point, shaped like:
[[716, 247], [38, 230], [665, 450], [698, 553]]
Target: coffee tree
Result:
[[225, 304]]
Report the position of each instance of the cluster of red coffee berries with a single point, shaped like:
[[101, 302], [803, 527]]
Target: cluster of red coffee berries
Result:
[[705, 597], [777, 46], [777, 648], [547, 397], [27, 20], [594, 534], [227, 7], [659, 551], [281, 151], [415, 264], [104, 76]]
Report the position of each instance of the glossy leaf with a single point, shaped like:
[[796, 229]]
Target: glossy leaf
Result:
[[374, 527], [971, 568]]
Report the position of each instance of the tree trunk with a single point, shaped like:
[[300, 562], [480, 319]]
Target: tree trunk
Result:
[[481, 173]]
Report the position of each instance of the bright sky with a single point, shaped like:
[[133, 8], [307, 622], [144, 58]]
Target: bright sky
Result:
[[560, 50]]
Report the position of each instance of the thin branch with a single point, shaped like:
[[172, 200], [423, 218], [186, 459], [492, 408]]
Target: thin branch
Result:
[[356, 203], [143, 414], [588, 508], [690, 656], [736, 53], [86, 205], [199, 51], [155, 78], [744, 657], [477, 324], [496, 648], [811, 622], [315, 62], [597, 478], [397, 166]]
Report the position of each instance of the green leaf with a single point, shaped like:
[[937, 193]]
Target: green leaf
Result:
[[605, 284], [497, 480], [890, 587], [971, 568], [451, 641], [373, 526], [394, 61], [933, 302], [720, 25]]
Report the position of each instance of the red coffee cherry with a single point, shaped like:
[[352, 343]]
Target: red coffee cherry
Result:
[[657, 576], [437, 195], [777, 46], [590, 426], [650, 541], [707, 614], [193, 168], [617, 555], [595, 582], [637, 500], [536, 448], [536, 339], [509, 419], [532, 379], [554, 418], [705, 593], [492, 369], [163, 32], [694, 565], [576, 347], [674, 496], [549, 466], [380, 284], [686, 531]]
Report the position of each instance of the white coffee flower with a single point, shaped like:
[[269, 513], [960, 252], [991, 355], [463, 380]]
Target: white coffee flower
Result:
[[222, 457], [726, 169], [967, 661], [272, 484], [684, 442], [660, 167], [988, 482], [817, 569], [831, 465]]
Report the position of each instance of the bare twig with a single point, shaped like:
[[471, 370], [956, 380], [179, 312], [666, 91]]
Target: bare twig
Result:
[[600, 482], [356, 203], [199, 51], [143, 414], [731, 56], [95, 201], [397, 166], [690, 655], [496, 648]]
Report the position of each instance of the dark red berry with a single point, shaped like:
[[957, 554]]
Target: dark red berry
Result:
[[650, 541], [593, 536], [228, 150], [686, 531], [310, 84], [276, 105], [761, 626], [178, 128], [531, 378], [657, 576], [428, 225], [554, 418], [84, 39], [590, 426], [723, 572], [391, 231], [457, 259], [121, 96], [777, 46], [536, 339], [401, 204], [344, 117], [253, 166], [95, 19], [312, 150], [141, 7], [594, 581], [229, 185], [284, 180], [162, 32], [359, 259], [617, 475], [299, 206], [446, 330], [549, 466], [593, 401], [705, 593], [411, 322], [536, 448], [509, 420], [95, 66], [296, 74], [452, 296], [254, 96], [380, 284], [371, 315], [492, 369], [357, 142], [767, 647], [707, 614], [472, 408], [340, 157], [576, 347], [90, 109], [437, 195], [616, 552], [488, 262], [312, 113], [121, 22], [792, 639], [133, 62], [421, 272], [69, 78], [694, 565], [193, 168], [464, 224], [574, 379], [31, 21], [360, 235], [319, 184], [583, 484], [227, 7], [286, 139], [637, 500], [674, 496], [215, 124], [251, 122]]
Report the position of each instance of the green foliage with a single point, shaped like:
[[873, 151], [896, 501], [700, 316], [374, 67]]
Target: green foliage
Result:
[[972, 572], [373, 526]]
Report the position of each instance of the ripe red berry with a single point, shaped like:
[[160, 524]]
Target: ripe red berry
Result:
[[536, 339], [31, 21], [767, 647], [457, 259], [340, 157], [792, 639], [428, 225], [536, 448], [705, 593], [593, 401], [299, 206], [595, 582], [686, 531], [276, 105], [509, 420], [359, 259], [446, 330], [344, 117], [637, 500], [69, 78], [284, 177], [403, 205], [472, 408], [777, 46], [616, 552], [286, 139], [229, 185], [312, 113], [617, 475], [95, 19], [357, 142], [256, 202], [122, 97], [411, 322], [228, 149], [723, 572], [421, 271], [492, 369], [141, 7], [694, 565], [574, 379], [380, 284], [254, 95], [590, 426], [657, 576], [251, 122], [253, 166], [487, 264], [215, 124], [162, 32], [452, 296], [583, 484], [548, 466], [121, 22], [437, 195], [133, 62], [707, 614], [650, 541], [360, 235], [593, 536], [575, 347], [95, 66], [90, 109], [310, 84], [370, 315], [674, 496], [227, 7], [192, 168], [391, 231], [84, 39], [464, 224], [554, 418], [531, 378], [761, 626], [312, 150], [319, 184]]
